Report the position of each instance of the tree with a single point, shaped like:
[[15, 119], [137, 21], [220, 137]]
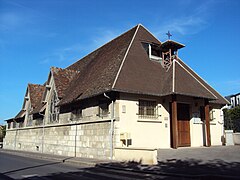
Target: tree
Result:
[[2, 132], [232, 119]]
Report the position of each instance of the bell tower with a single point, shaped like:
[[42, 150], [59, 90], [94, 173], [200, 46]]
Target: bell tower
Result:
[[169, 51]]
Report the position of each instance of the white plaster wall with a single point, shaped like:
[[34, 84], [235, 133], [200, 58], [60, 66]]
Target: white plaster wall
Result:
[[196, 125], [216, 127], [145, 133], [216, 130], [197, 136]]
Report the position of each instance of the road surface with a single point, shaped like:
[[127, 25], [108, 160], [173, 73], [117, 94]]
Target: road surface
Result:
[[18, 167]]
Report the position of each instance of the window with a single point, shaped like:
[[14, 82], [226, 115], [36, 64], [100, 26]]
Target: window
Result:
[[9, 125], [147, 109], [153, 51], [103, 109], [14, 124], [76, 114], [212, 115], [54, 110], [20, 124]]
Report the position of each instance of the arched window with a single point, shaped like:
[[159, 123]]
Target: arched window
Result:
[[54, 110]]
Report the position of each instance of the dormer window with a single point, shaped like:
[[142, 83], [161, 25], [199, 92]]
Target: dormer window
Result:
[[153, 51]]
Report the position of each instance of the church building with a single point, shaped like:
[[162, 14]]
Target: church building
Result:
[[123, 101]]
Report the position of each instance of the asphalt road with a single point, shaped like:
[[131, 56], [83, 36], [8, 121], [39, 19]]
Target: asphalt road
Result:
[[199, 163], [18, 167]]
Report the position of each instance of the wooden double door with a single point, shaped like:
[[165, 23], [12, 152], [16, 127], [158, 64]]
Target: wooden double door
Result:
[[183, 124]]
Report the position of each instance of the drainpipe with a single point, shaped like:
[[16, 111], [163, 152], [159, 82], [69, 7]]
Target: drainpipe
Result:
[[75, 143], [43, 130], [111, 128]]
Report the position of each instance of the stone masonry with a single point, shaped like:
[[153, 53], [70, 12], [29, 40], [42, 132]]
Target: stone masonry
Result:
[[91, 139]]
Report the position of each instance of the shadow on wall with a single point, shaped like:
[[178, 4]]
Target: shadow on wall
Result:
[[171, 169]]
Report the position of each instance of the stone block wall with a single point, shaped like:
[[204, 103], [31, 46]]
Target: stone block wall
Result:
[[89, 139], [9, 140]]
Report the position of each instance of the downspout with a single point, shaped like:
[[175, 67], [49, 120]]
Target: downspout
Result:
[[111, 128], [75, 139]]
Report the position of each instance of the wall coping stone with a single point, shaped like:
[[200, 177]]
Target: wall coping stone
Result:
[[59, 125]]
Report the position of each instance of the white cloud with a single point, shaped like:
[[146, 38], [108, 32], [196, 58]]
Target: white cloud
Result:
[[103, 37], [79, 50], [63, 54], [192, 22]]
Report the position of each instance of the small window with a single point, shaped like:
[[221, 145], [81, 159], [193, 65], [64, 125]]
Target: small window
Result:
[[212, 115], [20, 124], [54, 110], [147, 109], [77, 114], [153, 51], [14, 124], [103, 109], [8, 125]]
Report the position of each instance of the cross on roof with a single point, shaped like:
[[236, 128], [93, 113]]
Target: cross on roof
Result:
[[169, 34]]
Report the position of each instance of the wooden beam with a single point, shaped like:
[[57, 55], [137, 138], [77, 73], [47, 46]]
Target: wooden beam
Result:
[[207, 120], [174, 123]]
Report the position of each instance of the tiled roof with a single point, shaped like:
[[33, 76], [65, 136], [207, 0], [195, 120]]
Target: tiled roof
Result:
[[123, 65], [36, 92], [62, 78], [98, 70], [218, 98]]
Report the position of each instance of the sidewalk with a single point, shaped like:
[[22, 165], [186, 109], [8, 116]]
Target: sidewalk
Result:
[[87, 162], [204, 154]]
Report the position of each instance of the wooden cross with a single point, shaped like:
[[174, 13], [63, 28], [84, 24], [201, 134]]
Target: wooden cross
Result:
[[168, 34]]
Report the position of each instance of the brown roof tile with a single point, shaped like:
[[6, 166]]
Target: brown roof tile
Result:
[[219, 99], [62, 78], [98, 69], [138, 73], [35, 91], [123, 65], [187, 84]]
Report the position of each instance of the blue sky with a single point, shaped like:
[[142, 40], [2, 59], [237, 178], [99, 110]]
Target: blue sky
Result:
[[35, 35]]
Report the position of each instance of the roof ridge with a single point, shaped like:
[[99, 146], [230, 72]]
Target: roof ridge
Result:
[[196, 78], [124, 58], [35, 84], [174, 74], [203, 80], [150, 32]]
